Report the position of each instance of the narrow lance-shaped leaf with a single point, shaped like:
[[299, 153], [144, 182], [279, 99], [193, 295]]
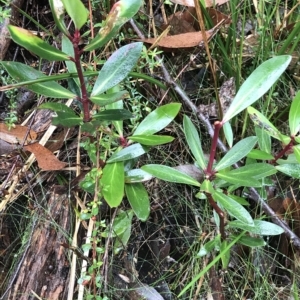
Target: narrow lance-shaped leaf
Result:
[[127, 153], [292, 170], [121, 12], [22, 72], [158, 119], [294, 115], [193, 141], [139, 200], [233, 208], [257, 84], [58, 12], [117, 67], [36, 45], [169, 174], [237, 152], [151, 140], [77, 11]]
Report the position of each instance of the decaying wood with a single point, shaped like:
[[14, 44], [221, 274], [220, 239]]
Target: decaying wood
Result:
[[45, 267]]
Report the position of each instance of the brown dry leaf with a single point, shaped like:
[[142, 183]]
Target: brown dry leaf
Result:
[[17, 134], [209, 3], [47, 161], [217, 16], [184, 40]]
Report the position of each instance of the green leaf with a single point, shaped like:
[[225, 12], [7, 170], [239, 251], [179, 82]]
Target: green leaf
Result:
[[158, 119], [127, 153], [105, 99], [169, 174], [255, 170], [292, 170], [139, 200], [294, 115], [210, 246], [120, 13], [113, 115], [250, 241], [228, 133], [233, 208], [117, 67], [258, 154], [76, 11], [137, 175], [260, 227], [151, 140], [257, 84], [35, 44], [193, 141], [21, 72], [262, 122], [58, 13], [112, 183], [296, 150], [225, 254], [67, 119], [236, 153], [206, 186], [264, 140], [120, 224], [240, 181], [67, 47]]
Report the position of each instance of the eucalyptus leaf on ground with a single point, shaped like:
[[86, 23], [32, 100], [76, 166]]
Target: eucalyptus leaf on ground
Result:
[[138, 198], [169, 174], [158, 119]]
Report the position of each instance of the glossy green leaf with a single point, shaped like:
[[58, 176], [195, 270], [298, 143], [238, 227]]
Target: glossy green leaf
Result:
[[58, 13], [67, 119], [117, 67], [239, 200], [262, 122], [233, 208], [151, 140], [121, 222], [206, 186], [296, 150], [158, 119], [260, 227], [169, 174], [294, 115], [137, 175], [292, 170], [120, 13], [264, 140], [228, 133], [77, 11], [250, 241], [35, 44], [138, 198], [55, 106], [257, 84], [255, 170], [67, 47], [112, 183], [113, 115], [258, 154], [22, 72], [105, 99], [236, 153], [239, 181], [291, 159], [127, 153], [193, 141]]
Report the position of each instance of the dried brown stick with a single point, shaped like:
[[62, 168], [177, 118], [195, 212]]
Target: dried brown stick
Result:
[[254, 194]]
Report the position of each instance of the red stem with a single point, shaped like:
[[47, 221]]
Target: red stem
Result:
[[84, 96], [284, 150]]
